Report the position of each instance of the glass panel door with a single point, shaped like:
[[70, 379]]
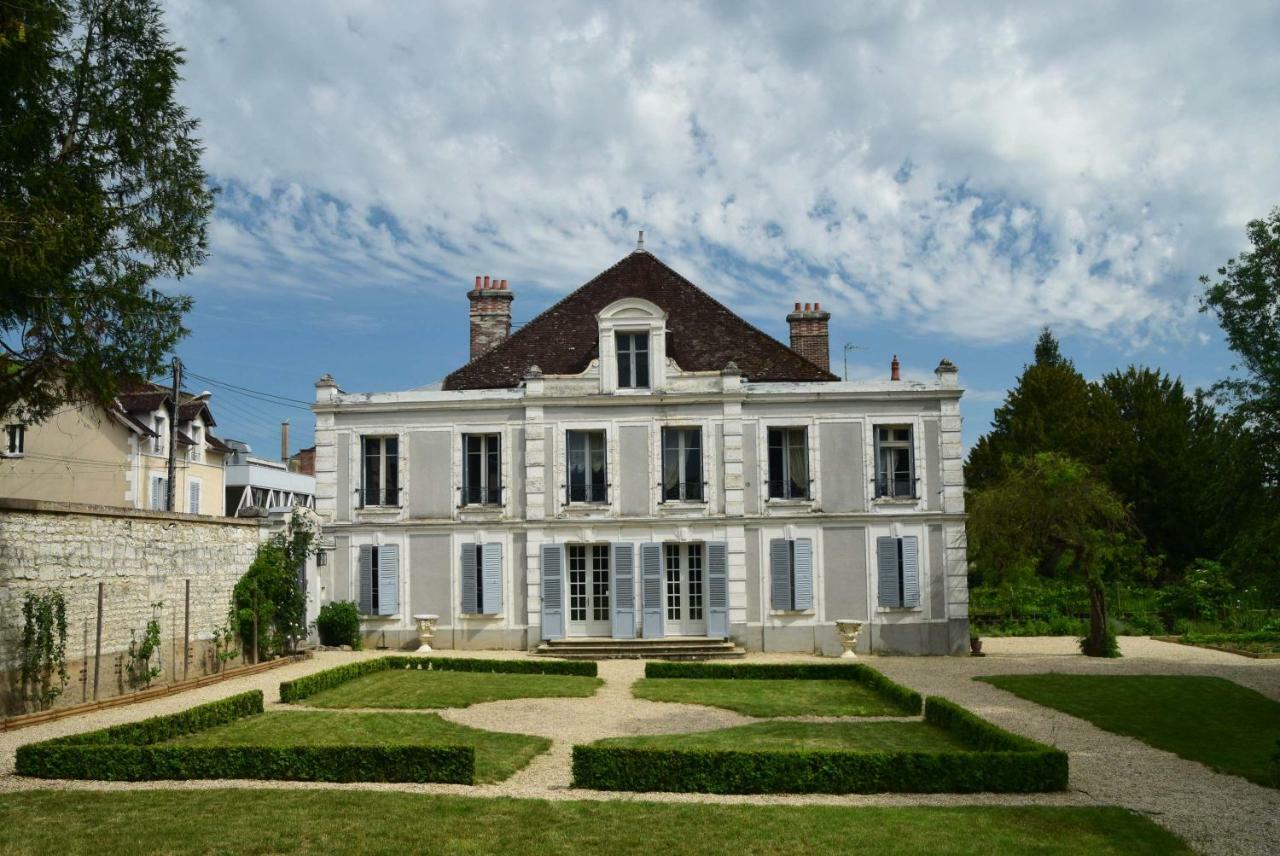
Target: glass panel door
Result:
[[684, 579], [589, 595]]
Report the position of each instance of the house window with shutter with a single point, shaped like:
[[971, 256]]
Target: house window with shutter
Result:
[[481, 469], [791, 574], [193, 496], [898, 571], [379, 579], [157, 444], [682, 464], [381, 472], [159, 493], [633, 360], [481, 579], [197, 443], [895, 462], [788, 463]]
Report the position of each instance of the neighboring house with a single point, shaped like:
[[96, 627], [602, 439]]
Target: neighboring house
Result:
[[303, 461], [258, 486], [118, 456], [640, 462]]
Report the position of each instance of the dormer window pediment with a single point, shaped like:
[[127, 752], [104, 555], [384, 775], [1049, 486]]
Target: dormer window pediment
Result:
[[632, 346]]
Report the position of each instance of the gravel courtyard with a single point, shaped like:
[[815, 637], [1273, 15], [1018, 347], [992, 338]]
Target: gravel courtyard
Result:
[[1215, 813]]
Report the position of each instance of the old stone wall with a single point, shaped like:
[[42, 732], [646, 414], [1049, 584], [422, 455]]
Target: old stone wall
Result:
[[144, 560]]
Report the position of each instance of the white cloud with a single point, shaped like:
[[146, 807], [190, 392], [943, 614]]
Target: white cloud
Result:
[[969, 171]]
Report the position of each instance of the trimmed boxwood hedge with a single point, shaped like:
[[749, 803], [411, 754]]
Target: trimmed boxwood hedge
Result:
[[908, 700], [999, 763], [300, 688], [128, 753]]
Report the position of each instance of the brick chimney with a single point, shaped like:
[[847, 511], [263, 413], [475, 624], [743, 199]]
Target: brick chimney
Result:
[[490, 314], [809, 334], [895, 369]]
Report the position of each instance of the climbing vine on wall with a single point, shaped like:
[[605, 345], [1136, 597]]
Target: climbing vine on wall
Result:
[[141, 672], [43, 651]]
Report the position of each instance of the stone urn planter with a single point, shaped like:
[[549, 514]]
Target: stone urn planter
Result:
[[848, 630], [426, 630], [975, 647]]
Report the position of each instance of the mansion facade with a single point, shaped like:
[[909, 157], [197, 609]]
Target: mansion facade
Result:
[[640, 462]]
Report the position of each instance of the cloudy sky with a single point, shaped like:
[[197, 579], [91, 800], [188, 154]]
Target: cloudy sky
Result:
[[945, 178]]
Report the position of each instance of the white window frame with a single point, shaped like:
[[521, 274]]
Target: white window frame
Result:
[[632, 315], [157, 444], [196, 455], [486, 437], [880, 446], [633, 358], [567, 498], [383, 456], [705, 483], [15, 440], [810, 481]]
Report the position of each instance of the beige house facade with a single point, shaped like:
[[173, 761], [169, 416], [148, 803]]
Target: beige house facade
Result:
[[118, 456]]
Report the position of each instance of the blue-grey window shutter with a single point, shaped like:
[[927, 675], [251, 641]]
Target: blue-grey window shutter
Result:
[[491, 557], [718, 590], [366, 579], [911, 571], [802, 574], [552, 591], [470, 603], [388, 579], [624, 590], [887, 571], [780, 574], [651, 590]]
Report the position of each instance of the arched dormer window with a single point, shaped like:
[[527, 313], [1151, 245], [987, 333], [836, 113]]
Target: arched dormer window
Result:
[[633, 347]]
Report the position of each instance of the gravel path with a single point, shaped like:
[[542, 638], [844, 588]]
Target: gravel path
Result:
[[1215, 813]]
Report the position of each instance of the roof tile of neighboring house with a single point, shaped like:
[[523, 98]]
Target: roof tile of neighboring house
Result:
[[703, 334]]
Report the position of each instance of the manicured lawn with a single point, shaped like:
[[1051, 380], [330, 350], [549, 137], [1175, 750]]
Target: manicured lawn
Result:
[[770, 697], [1221, 724], [325, 822], [804, 736], [412, 689], [498, 755]]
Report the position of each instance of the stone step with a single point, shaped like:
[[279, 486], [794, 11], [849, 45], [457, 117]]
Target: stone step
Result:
[[633, 649], [732, 654]]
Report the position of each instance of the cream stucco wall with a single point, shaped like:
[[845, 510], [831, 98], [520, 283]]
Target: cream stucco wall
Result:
[[78, 455]]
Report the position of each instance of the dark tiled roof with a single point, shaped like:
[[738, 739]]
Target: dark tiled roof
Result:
[[217, 445], [142, 401], [703, 334]]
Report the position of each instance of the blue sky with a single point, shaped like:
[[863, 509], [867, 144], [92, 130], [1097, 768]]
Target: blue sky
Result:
[[944, 179]]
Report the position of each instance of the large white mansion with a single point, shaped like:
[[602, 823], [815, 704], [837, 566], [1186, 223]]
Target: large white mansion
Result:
[[640, 462]]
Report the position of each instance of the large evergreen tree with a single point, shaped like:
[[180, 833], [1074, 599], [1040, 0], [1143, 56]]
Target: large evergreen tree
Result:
[[1051, 408], [101, 195]]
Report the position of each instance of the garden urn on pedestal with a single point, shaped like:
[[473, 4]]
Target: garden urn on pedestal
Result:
[[426, 630], [848, 629]]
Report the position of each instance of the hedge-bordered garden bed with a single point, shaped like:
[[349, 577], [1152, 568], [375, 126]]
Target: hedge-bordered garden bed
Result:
[[908, 700], [998, 762], [300, 688], [130, 753]]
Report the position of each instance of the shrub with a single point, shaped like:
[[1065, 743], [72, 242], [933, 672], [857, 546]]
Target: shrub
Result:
[[339, 624], [300, 688], [128, 753], [907, 699], [999, 763]]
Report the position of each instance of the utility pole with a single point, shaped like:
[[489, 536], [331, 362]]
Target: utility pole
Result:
[[849, 346], [170, 504]]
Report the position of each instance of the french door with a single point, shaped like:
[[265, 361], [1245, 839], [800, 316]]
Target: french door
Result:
[[589, 593], [684, 606]]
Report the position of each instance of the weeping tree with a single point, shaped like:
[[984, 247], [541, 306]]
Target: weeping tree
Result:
[[1051, 509]]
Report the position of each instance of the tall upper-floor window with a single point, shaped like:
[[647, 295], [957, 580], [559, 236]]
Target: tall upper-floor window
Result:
[[895, 464], [157, 445], [481, 469], [15, 440], [682, 464], [381, 486], [633, 360], [587, 470], [788, 463], [197, 443]]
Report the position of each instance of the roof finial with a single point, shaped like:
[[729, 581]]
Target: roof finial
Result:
[[640, 242]]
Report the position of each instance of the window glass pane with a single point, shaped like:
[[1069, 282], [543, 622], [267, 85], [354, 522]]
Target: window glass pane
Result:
[[641, 359], [577, 443], [577, 582], [597, 464], [673, 582], [695, 582], [798, 464], [624, 363], [391, 470], [776, 464], [902, 435], [693, 464], [494, 471], [670, 464], [372, 470]]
